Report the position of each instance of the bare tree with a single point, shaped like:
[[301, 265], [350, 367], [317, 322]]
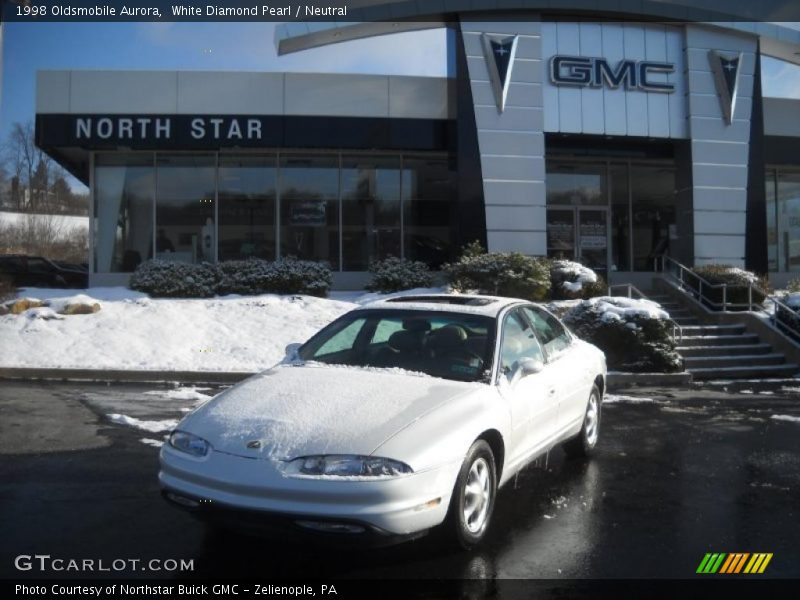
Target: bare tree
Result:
[[24, 152]]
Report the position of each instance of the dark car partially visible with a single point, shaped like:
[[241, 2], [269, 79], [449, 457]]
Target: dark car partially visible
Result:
[[36, 271]]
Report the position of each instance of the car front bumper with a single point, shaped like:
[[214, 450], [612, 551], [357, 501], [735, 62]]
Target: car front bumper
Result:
[[238, 490]]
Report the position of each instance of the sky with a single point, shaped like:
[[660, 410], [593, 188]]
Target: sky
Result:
[[28, 47]]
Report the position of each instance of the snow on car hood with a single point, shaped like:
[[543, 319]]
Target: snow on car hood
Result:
[[299, 410]]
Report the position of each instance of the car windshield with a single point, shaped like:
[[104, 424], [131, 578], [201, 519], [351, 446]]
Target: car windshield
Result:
[[438, 343]]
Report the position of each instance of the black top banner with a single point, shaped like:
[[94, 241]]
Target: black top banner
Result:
[[356, 11]]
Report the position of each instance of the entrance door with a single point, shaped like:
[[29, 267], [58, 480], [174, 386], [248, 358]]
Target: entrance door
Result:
[[580, 234], [592, 240]]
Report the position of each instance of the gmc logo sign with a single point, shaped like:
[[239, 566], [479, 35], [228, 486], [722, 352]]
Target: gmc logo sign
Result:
[[581, 71]]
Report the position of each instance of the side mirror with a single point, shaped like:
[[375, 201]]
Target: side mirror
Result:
[[530, 366], [291, 350]]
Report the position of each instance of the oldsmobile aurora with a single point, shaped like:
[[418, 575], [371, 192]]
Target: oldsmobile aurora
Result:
[[406, 414]]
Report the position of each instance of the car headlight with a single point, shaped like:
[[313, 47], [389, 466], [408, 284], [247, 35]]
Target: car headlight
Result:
[[343, 465], [189, 443]]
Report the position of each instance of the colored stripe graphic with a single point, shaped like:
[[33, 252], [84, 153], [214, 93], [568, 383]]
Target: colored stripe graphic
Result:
[[723, 563], [711, 563]]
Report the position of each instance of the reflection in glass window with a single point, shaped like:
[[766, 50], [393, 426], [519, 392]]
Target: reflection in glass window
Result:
[[653, 200], [519, 342], [124, 185], [310, 208], [789, 219], [370, 210], [620, 218], [246, 207], [185, 229], [428, 212], [772, 220], [550, 332], [576, 184]]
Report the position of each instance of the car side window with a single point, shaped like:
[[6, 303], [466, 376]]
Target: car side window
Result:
[[552, 334], [519, 341]]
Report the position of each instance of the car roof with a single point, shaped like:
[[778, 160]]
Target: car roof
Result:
[[490, 306]]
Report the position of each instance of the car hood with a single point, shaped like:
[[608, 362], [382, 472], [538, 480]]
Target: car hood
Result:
[[300, 410]]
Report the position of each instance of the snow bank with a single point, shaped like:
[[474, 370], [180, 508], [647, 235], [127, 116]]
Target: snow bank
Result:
[[574, 274], [617, 308], [60, 303], [620, 399], [133, 331], [789, 418], [182, 393], [151, 426]]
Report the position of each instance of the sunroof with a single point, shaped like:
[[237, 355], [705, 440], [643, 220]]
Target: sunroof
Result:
[[457, 300]]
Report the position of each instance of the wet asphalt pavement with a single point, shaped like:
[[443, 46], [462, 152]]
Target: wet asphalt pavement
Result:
[[678, 473]]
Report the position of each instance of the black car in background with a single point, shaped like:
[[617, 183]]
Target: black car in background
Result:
[[36, 271]]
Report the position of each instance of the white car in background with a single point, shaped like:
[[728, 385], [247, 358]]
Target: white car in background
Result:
[[398, 417]]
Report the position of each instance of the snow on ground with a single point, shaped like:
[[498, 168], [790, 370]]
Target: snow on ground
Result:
[[132, 331], [182, 393], [152, 442], [618, 399], [786, 418], [150, 426]]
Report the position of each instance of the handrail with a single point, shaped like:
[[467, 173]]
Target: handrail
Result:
[[775, 316], [632, 288]]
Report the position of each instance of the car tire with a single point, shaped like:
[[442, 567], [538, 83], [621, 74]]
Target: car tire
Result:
[[583, 444], [473, 499]]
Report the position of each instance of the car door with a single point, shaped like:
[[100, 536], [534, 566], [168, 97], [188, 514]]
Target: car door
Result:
[[568, 368], [532, 398]]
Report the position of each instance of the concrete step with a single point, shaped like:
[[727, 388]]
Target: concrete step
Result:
[[708, 362], [720, 340], [743, 350], [745, 372], [684, 321], [696, 330]]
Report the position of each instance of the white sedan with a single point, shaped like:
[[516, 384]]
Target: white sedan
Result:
[[398, 417]]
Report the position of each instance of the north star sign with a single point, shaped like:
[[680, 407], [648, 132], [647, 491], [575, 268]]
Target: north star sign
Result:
[[582, 71], [142, 128]]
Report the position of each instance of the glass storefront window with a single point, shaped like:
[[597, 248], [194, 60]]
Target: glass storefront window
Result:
[[638, 227], [772, 221], [428, 210], [620, 218], [370, 192], [124, 186], [185, 229], [788, 184], [325, 207], [653, 202], [309, 192], [246, 196], [576, 184]]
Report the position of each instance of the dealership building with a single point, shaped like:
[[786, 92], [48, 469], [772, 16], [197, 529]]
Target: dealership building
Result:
[[609, 138]]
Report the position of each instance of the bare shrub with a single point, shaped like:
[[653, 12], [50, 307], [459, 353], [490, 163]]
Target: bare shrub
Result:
[[44, 235]]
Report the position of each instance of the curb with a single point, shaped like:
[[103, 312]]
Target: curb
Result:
[[123, 376], [616, 380]]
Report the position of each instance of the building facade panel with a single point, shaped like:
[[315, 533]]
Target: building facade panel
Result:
[[350, 96], [593, 162], [139, 92], [230, 93]]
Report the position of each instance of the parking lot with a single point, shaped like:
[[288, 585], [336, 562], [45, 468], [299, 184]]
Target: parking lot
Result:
[[678, 473]]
